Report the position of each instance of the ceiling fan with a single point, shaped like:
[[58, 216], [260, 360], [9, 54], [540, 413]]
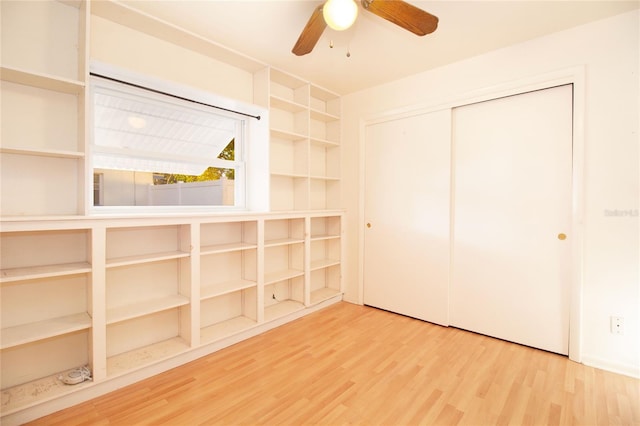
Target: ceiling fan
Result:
[[340, 14]]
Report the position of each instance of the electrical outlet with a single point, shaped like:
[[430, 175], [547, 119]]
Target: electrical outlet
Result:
[[617, 325]]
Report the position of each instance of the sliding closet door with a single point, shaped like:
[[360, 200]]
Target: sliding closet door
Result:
[[512, 213], [406, 233]]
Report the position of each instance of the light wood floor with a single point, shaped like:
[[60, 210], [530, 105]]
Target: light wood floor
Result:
[[349, 364]]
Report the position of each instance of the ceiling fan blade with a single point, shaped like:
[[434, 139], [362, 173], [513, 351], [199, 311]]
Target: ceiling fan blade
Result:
[[311, 33], [404, 15]]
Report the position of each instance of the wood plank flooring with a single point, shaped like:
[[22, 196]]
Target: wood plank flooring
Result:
[[350, 364]]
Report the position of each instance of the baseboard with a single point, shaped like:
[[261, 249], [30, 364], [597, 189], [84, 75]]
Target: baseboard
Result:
[[630, 370]]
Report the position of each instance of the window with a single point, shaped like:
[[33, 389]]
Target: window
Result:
[[156, 151]]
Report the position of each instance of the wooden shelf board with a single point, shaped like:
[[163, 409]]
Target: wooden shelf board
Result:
[[322, 94], [224, 248], [323, 294], [323, 263], [323, 116], [145, 258], [278, 276], [41, 80], [289, 175], [54, 153], [141, 357], [127, 312], [281, 309], [286, 79], [283, 134], [286, 104], [27, 333], [282, 242], [225, 328], [324, 142], [220, 289], [319, 237], [324, 178], [44, 271], [36, 392]]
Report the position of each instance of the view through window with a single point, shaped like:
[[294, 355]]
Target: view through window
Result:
[[151, 149]]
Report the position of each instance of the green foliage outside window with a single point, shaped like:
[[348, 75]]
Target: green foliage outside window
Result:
[[211, 173]]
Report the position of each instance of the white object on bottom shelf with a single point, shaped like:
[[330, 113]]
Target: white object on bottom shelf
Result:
[[225, 328], [36, 392], [141, 357], [281, 309]]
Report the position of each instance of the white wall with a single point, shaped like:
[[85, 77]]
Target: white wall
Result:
[[121, 46], [609, 51]]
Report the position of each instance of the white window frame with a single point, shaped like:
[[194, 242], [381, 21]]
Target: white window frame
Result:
[[255, 170]]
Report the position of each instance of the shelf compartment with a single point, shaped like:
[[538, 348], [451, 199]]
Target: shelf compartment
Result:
[[292, 123], [42, 308], [320, 130], [225, 328], [325, 227], [27, 333], [281, 309], [223, 288], [283, 297], [41, 28], [144, 356], [43, 271], [42, 81], [142, 289], [45, 388], [29, 362], [227, 237], [323, 116], [283, 134], [324, 194], [325, 283], [284, 274], [143, 340], [228, 272], [289, 157], [28, 190], [144, 258], [286, 105], [289, 87], [324, 143], [146, 307], [323, 263], [228, 314], [324, 253], [324, 101], [278, 230], [323, 294], [40, 121], [147, 244], [325, 162]]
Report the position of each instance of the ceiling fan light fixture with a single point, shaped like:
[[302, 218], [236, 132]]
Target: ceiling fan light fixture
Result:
[[340, 14]]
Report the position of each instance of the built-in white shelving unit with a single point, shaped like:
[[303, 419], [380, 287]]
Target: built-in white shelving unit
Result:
[[130, 296], [124, 295], [305, 144], [43, 114]]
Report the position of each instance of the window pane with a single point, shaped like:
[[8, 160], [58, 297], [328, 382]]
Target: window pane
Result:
[[153, 150]]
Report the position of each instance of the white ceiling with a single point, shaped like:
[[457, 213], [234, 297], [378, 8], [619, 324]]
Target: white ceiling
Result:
[[380, 51]]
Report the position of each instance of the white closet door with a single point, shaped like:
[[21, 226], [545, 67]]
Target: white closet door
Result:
[[512, 192], [406, 241]]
